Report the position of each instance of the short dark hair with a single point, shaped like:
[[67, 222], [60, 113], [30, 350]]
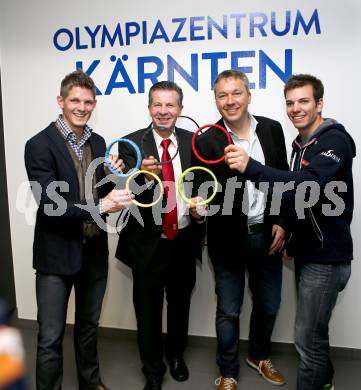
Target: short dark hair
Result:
[[300, 80], [77, 78], [166, 85], [230, 73]]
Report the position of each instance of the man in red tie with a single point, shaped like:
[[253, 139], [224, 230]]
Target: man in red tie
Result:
[[162, 249]]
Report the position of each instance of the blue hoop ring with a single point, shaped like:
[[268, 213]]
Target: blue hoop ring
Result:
[[137, 151]]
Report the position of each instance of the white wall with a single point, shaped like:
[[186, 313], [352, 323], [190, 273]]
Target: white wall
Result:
[[32, 70]]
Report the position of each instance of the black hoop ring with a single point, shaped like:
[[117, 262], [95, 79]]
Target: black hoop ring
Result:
[[171, 132]]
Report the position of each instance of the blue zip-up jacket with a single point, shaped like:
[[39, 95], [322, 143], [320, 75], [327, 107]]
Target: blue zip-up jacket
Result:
[[321, 231]]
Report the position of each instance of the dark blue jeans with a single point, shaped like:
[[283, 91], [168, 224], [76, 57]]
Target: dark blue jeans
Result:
[[52, 294], [265, 282], [318, 288]]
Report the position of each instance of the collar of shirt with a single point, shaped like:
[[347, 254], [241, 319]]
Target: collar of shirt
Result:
[[69, 134], [158, 140], [252, 126]]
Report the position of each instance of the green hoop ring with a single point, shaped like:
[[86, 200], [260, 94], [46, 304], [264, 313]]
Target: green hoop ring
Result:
[[156, 177], [180, 182]]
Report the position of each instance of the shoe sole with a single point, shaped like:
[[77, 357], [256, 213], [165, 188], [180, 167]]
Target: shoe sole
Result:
[[252, 365]]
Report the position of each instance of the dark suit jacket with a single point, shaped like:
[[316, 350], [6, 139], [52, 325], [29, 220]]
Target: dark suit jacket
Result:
[[137, 244], [223, 231], [58, 240]]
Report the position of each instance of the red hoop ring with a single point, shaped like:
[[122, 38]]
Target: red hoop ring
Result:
[[200, 158]]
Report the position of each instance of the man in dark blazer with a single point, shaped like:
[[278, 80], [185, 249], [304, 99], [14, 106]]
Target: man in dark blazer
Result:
[[161, 259], [241, 234], [70, 249]]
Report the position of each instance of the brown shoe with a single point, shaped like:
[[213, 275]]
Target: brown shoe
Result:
[[226, 383], [266, 369]]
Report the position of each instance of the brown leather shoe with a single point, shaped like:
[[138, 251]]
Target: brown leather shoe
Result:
[[226, 383], [266, 369]]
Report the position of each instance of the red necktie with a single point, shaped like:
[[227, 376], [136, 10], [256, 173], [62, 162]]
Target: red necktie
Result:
[[170, 221]]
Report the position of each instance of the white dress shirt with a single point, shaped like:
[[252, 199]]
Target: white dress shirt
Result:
[[182, 209], [254, 149]]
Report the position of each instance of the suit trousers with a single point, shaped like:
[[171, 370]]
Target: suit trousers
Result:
[[52, 293], [172, 271]]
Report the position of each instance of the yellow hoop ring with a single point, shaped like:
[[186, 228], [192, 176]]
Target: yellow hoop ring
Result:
[[155, 177], [180, 182]]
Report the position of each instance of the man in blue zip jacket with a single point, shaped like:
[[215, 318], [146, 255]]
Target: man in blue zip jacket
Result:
[[321, 242]]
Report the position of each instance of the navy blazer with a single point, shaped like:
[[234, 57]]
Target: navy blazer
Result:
[[225, 226], [58, 239], [137, 243]]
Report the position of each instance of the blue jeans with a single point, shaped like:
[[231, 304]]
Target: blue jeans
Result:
[[265, 282], [52, 294], [318, 288]]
